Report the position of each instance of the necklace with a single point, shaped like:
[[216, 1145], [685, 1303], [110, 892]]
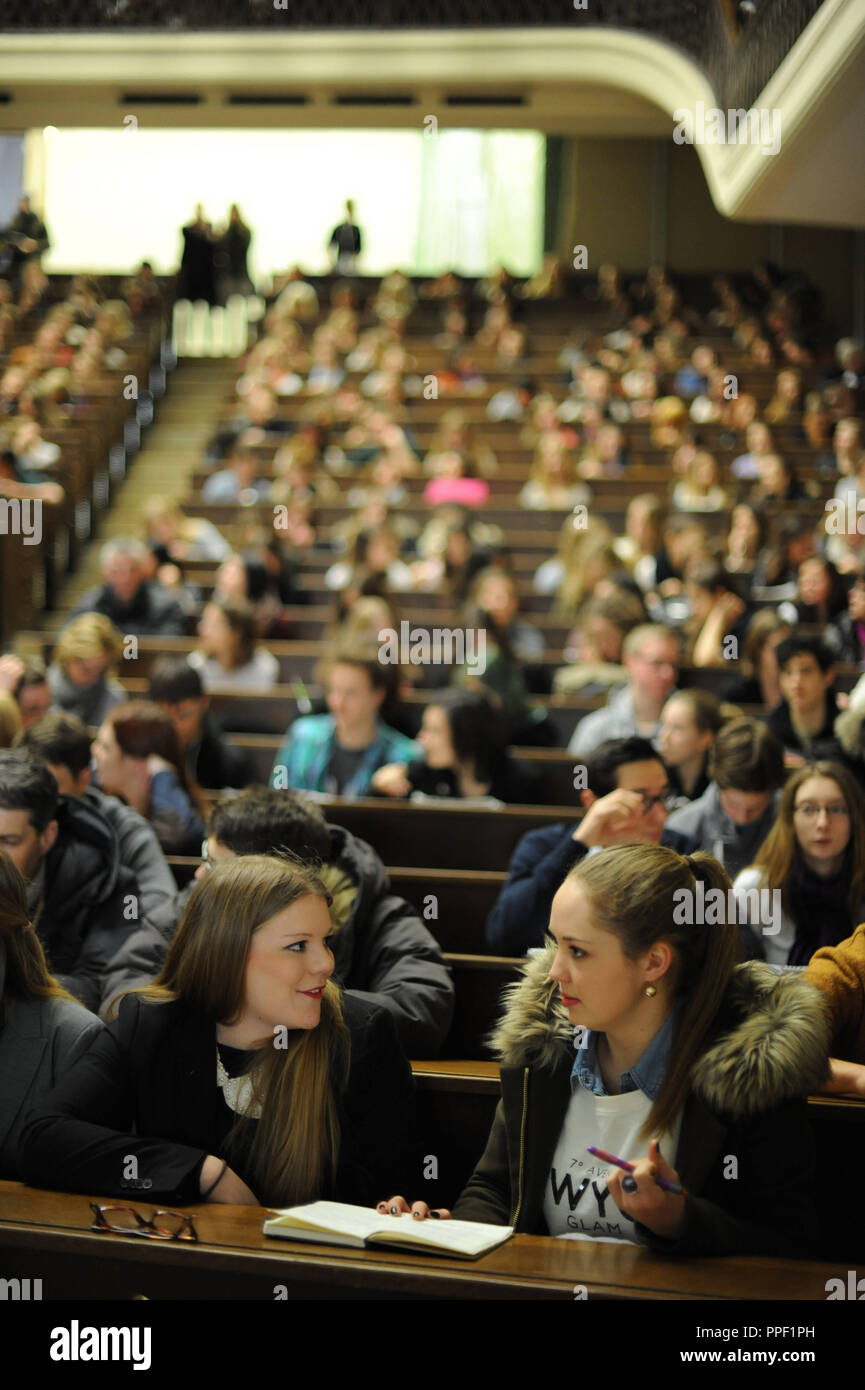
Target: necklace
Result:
[[237, 1091]]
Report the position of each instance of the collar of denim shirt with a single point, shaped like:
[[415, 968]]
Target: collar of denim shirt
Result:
[[645, 1075]]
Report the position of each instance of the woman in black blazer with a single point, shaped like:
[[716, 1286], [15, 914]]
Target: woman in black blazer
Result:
[[242, 1074]]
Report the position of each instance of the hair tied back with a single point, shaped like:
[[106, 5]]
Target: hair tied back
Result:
[[696, 869]]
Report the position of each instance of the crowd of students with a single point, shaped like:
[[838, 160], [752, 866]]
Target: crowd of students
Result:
[[696, 1038], [55, 357]]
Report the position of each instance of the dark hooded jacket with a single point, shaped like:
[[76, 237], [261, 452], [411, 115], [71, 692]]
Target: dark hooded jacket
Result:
[[140, 850], [768, 1051], [383, 952], [539, 866], [823, 745], [90, 904], [213, 762]]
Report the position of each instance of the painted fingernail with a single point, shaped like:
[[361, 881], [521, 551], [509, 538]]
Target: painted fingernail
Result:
[[436, 1216], [628, 1184], [394, 1211]]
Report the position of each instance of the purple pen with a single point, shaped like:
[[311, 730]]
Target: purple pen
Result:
[[623, 1163]]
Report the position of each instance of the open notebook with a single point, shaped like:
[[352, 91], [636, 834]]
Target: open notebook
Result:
[[338, 1223]]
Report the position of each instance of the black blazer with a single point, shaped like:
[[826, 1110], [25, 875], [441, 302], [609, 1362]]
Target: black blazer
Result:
[[147, 1090]]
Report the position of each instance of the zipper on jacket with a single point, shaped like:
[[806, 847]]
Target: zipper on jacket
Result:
[[516, 1213]]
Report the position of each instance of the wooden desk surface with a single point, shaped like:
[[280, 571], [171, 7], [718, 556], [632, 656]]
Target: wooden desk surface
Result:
[[47, 1235]]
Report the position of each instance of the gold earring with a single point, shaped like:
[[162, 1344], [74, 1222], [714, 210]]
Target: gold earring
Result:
[[650, 991]]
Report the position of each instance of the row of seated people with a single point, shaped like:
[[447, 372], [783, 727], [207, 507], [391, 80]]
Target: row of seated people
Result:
[[68, 360], [681, 1046], [706, 604], [53, 365], [242, 1074], [792, 848], [644, 372], [793, 678]]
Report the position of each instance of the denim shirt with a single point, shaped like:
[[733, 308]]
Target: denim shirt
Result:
[[645, 1075]]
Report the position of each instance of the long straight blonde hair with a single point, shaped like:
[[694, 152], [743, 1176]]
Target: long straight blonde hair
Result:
[[295, 1147]]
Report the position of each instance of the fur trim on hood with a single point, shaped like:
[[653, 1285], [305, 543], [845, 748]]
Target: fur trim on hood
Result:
[[771, 1045]]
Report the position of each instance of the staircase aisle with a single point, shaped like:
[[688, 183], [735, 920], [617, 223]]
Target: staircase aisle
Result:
[[172, 448]]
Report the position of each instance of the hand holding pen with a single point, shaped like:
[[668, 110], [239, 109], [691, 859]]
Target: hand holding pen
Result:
[[630, 1168], [648, 1191]]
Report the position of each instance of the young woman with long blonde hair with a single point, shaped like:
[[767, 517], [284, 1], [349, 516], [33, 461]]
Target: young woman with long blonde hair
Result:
[[241, 1074]]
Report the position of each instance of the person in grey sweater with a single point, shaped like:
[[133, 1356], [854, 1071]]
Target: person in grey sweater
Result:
[[650, 654], [739, 807]]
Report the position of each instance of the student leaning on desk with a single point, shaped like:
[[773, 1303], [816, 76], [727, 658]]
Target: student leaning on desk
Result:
[[242, 1075], [689, 1067]]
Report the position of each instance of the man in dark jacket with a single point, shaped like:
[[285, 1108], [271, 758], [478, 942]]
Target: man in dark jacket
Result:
[[135, 604], [625, 793], [26, 234], [345, 242], [83, 903], [62, 741], [804, 721], [382, 949]]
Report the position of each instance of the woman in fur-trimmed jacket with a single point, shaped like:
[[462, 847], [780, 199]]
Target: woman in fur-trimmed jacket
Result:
[[686, 1065]]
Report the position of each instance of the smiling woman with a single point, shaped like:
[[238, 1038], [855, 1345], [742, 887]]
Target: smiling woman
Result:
[[242, 1074]]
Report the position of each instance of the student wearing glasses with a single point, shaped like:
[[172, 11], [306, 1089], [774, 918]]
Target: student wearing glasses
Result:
[[813, 863], [651, 654], [625, 793], [242, 1074]]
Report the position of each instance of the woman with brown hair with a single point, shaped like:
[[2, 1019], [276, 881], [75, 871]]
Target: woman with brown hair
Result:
[[138, 758], [43, 1030], [806, 886], [242, 1074], [229, 656], [683, 1059]]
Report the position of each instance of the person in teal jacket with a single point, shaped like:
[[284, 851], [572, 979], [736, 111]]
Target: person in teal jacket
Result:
[[339, 752]]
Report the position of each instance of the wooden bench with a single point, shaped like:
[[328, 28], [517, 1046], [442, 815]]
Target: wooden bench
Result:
[[453, 903]]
